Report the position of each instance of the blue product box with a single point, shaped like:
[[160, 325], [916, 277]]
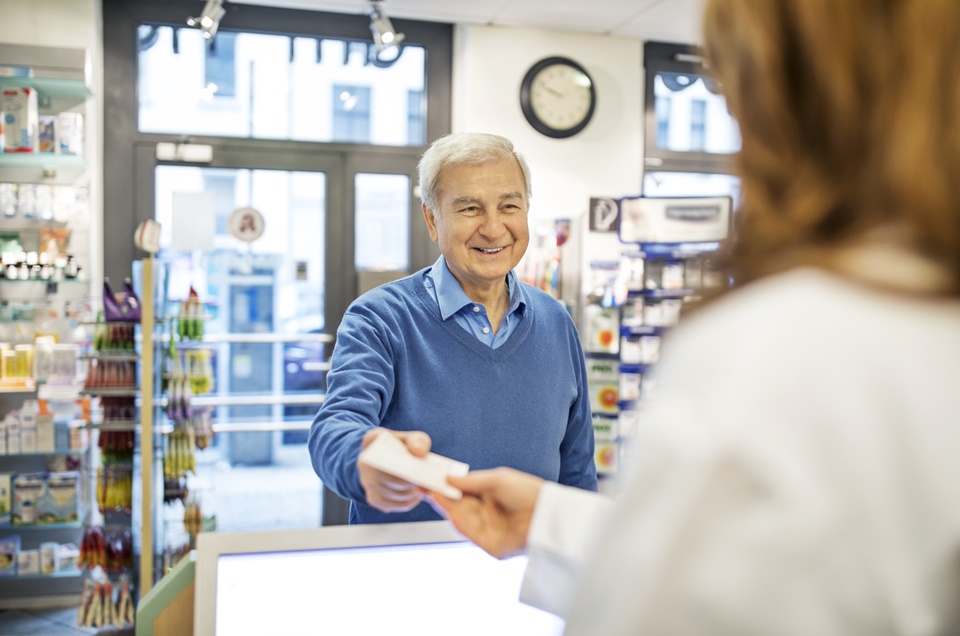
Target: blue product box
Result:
[[9, 70], [47, 133], [61, 436], [9, 551]]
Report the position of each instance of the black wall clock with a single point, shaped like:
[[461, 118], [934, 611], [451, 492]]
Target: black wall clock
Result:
[[557, 97]]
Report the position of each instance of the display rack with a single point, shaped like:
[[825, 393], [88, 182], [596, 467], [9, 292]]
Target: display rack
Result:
[[117, 552], [59, 77], [663, 265]]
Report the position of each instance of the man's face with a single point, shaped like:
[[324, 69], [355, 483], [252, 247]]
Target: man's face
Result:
[[481, 221]]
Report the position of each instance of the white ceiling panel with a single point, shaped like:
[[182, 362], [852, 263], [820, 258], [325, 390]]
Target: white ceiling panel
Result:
[[676, 20], [672, 20]]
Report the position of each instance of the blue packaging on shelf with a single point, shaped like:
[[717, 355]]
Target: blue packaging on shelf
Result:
[[9, 551], [61, 437]]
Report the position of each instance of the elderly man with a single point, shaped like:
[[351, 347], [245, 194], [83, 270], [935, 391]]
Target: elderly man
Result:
[[460, 356]]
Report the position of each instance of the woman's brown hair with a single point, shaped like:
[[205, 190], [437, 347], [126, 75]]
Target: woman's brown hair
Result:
[[850, 118]]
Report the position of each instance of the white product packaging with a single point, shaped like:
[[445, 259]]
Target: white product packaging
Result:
[[630, 351], [70, 133], [65, 358], [67, 556], [46, 434], [19, 106], [630, 386], [49, 557], [13, 433], [631, 314], [28, 562], [649, 349], [3, 437], [43, 358], [28, 428], [671, 277], [602, 329]]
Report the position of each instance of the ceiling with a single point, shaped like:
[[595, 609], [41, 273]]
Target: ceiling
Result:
[[670, 20]]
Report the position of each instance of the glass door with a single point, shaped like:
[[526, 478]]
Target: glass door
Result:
[[264, 343]]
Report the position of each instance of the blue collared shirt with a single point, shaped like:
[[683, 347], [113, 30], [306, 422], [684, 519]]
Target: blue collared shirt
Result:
[[470, 315]]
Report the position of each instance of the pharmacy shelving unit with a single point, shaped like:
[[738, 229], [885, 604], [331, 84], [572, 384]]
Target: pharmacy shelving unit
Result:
[[40, 589], [664, 264], [59, 76]]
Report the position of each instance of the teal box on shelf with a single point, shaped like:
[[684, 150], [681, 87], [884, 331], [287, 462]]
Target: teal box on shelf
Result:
[[9, 551]]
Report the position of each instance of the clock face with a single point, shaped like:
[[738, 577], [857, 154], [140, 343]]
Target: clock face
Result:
[[557, 97]]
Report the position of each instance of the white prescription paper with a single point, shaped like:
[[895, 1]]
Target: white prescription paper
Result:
[[389, 454]]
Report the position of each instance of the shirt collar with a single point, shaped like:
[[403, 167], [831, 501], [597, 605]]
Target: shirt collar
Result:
[[452, 298]]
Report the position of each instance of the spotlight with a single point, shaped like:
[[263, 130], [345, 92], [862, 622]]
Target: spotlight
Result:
[[209, 20], [385, 36]]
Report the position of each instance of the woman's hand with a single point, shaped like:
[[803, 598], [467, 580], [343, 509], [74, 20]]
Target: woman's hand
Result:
[[495, 510]]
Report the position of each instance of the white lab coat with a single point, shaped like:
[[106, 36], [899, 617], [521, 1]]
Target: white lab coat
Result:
[[798, 473]]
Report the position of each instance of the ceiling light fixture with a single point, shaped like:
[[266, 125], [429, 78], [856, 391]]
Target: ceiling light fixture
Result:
[[209, 20], [385, 37]]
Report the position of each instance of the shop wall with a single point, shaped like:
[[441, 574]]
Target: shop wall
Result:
[[71, 24], [604, 159]]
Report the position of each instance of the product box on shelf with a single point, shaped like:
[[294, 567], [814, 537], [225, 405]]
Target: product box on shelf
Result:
[[19, 106], [28, 489], [79, 436], [13, 433], [47, 133], [602, 383], [46, 437], [607, 457], [61, 436], [602, 330], [9, 552], [48, 557], [6, 498], [67, 556], [70, 133], [61, 503], [28, 431], [3, 437], [28, 562]]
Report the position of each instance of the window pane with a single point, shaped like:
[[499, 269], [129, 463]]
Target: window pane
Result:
[[351, 113], [691, 117], [383, 222], [272, 86], [290, 253]]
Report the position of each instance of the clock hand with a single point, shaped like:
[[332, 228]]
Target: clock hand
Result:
[[554, 91]]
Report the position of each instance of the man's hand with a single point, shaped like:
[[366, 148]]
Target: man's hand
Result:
[[496, 508], [385, 492]]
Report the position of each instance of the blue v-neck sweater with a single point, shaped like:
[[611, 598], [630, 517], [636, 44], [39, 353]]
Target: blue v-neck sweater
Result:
[[397, 364]]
